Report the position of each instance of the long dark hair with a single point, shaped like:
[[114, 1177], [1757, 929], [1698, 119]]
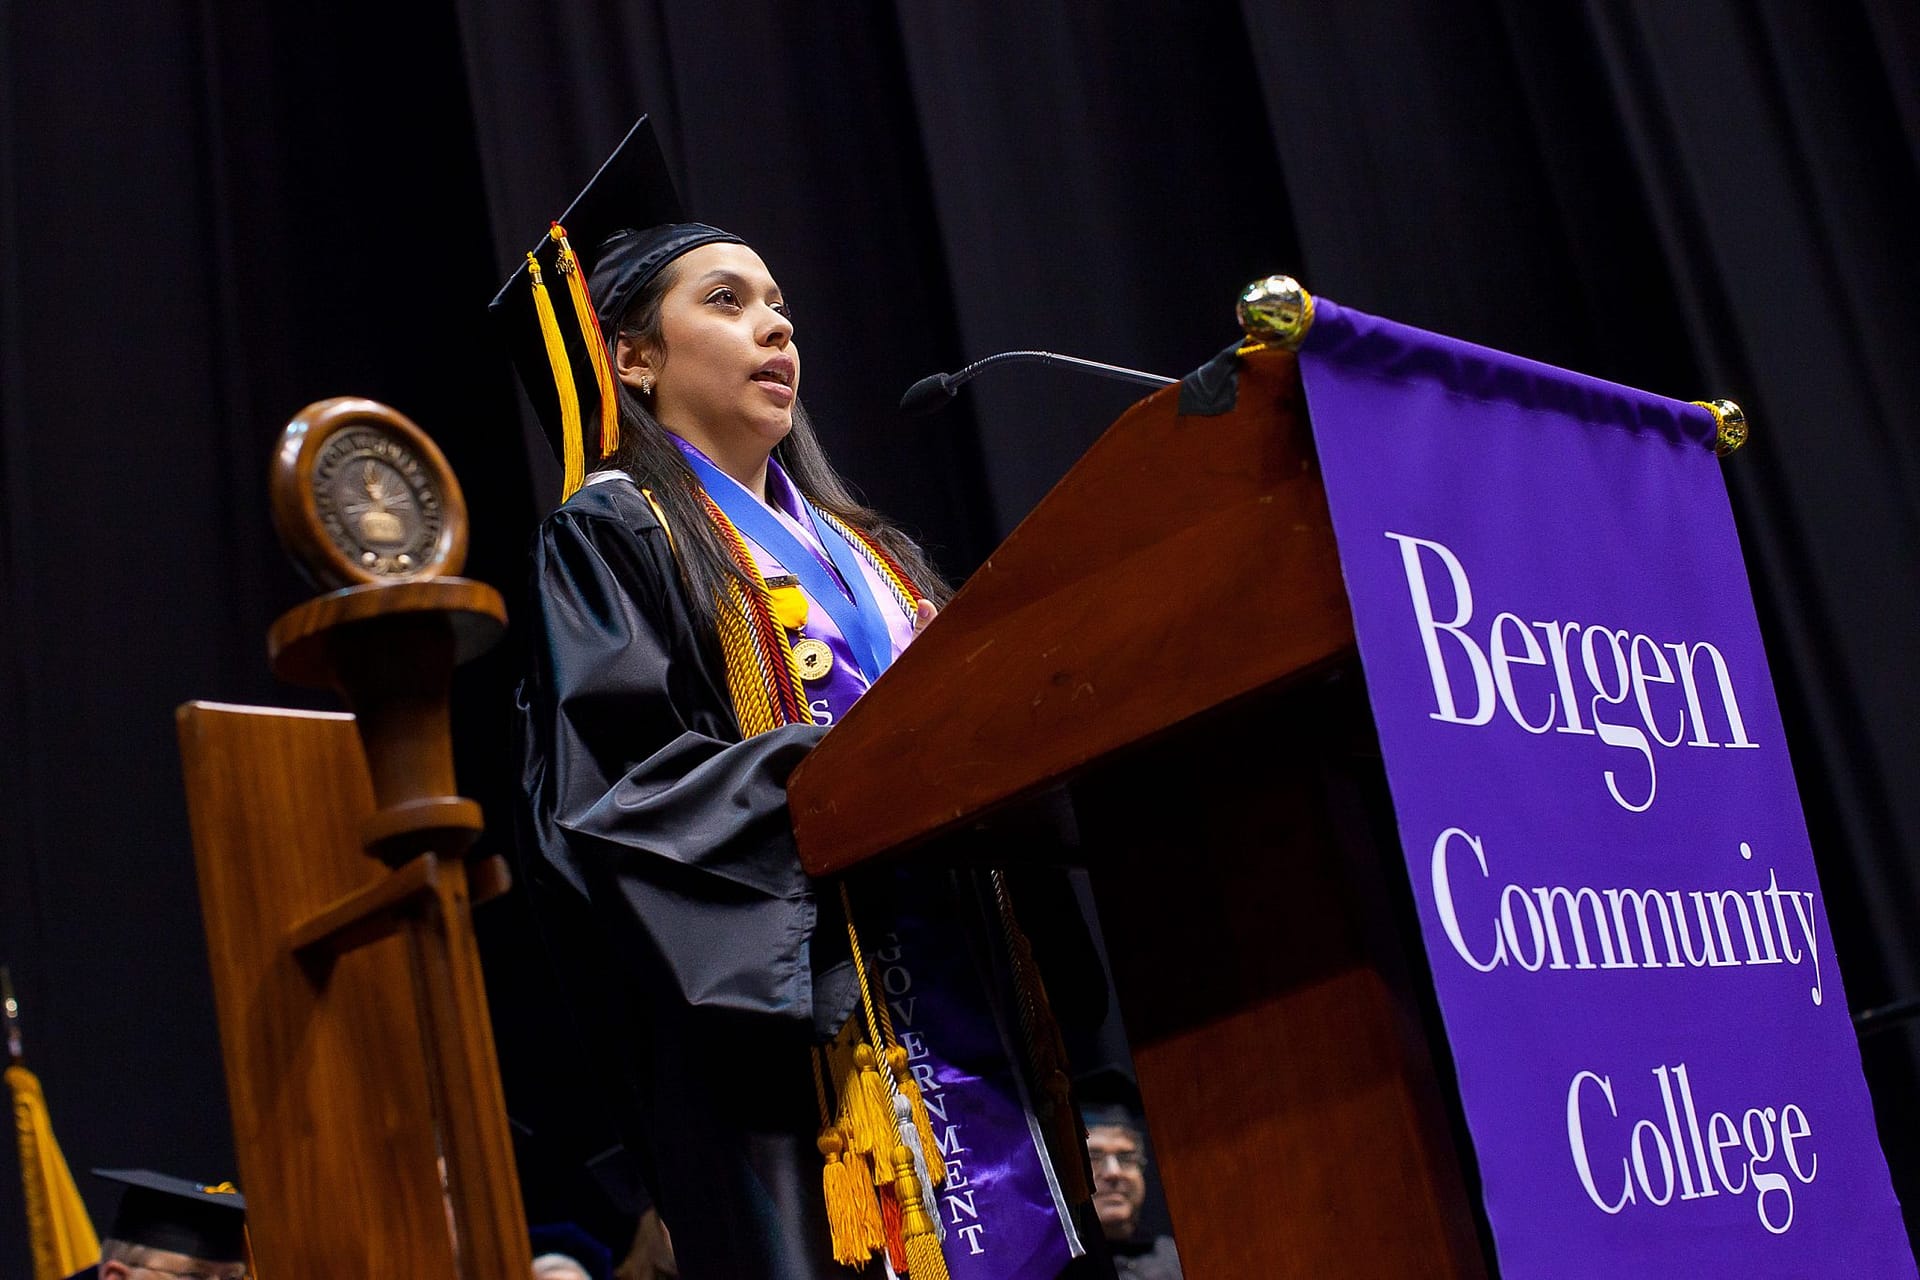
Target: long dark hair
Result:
[[648, 454]]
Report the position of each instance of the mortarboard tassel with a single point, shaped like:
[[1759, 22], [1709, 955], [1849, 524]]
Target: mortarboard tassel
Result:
[[246, 1232], [572, 450], [589, 321]]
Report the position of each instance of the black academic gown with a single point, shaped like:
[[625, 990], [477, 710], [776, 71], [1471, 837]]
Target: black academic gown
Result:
[[701, 959], [667, 873]]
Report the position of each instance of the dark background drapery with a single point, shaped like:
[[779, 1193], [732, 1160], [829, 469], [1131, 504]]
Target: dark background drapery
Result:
[[212, 214]]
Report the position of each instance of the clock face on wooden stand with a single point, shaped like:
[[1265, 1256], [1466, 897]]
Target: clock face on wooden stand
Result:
[[362, 495]]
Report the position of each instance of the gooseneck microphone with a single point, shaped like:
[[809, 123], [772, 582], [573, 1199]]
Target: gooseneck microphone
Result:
[[932, 393]]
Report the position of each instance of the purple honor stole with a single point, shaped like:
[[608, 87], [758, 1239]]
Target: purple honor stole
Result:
[[1001, 1204], [1000, 1207]]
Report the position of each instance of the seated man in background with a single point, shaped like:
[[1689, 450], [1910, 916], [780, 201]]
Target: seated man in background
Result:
[[558, 1266], [1117, 1150], [170, 1226]]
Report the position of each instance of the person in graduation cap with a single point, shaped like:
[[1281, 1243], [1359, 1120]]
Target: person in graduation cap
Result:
[[171, 1227], [707, 600]]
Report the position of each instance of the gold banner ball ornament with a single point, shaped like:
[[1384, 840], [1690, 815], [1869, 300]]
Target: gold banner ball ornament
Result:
[[1275, 311], [1729, 425], [361, 495]]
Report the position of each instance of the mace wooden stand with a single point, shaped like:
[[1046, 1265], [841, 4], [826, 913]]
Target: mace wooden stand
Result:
[[368, 1119], [1169, 632]]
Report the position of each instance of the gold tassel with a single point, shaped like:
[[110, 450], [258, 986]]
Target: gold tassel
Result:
[[922, 1122], [572, 450], [874, 1112], [846, 1083], [841, 1186], [924, 1259], [878, 1103], [589, 322], [870, 1224], [843, 1214]]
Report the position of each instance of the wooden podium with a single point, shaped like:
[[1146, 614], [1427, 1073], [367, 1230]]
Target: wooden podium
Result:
[[1169, 634], [368, 1118]]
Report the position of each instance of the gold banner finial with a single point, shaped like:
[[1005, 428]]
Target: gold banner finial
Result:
[[1275, 310], [1729, 425]]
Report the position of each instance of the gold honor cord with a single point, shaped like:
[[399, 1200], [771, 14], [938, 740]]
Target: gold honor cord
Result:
[[572, 450], [762, 677], [589, 322]]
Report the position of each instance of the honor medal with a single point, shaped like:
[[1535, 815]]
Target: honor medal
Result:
[[813, 657]]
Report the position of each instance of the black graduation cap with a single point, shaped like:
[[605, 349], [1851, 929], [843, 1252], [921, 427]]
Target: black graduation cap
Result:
[[1109, 1096], [576, 284], [179, 1216], [572, 1241]]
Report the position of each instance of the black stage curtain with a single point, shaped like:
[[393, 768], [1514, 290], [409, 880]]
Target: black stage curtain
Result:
[[212, 214]]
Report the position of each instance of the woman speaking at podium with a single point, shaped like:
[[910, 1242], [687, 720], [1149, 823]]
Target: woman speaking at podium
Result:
[[707, 600]]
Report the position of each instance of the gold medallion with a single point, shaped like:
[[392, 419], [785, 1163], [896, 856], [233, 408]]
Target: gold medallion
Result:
[[813, 657]]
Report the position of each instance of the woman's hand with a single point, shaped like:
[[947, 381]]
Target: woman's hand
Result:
[[923, 613]]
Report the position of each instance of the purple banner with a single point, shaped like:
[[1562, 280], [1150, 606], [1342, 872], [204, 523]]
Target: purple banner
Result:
[[1614, 882]]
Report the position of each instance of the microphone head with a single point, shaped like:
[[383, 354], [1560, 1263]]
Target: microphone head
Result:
[[926, 395]]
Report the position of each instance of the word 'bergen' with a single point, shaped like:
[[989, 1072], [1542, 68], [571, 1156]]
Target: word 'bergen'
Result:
[[1619, 665]]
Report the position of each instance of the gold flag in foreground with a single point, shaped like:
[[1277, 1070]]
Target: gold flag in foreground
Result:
[[62, 1234]]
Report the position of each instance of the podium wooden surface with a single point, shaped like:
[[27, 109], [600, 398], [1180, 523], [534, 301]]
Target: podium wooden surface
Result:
[[1168, 633]]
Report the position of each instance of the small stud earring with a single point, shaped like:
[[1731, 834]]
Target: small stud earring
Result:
[[646, 384]]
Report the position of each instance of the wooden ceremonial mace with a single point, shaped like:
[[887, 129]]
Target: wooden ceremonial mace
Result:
[[368, 1116]]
